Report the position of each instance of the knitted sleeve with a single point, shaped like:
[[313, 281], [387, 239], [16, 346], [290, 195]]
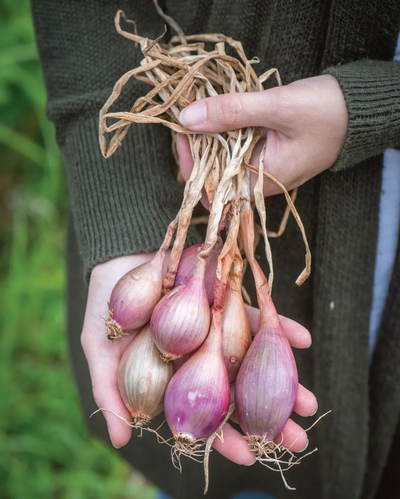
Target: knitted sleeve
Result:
[[372, 93], [121, 205]]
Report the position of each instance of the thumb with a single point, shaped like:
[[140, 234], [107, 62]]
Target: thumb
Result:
[[232, 111]]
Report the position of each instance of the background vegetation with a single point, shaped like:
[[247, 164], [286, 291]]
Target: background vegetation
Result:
[[45, 449]]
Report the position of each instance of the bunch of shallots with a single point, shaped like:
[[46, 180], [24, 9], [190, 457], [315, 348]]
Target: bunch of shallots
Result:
[[197, 308]]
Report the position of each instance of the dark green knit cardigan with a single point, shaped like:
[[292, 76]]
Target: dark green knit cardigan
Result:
[[122, 206]]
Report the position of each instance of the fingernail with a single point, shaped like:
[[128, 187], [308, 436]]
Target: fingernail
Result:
[[193, 115], [315, 412], [111, 440], [305, 447], [114, 444], [309, 344], [251, 464]]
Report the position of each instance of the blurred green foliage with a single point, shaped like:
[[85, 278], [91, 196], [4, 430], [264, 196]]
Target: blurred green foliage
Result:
[[45, 449]]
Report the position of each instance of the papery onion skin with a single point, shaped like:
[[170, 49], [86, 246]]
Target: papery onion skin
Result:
[[236, 334], [143, 377], [267, 383], [197, 398], [136, 294], [188, 263], [181, 320]]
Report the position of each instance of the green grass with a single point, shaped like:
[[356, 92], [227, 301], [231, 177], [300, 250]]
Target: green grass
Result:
[[45, 450]]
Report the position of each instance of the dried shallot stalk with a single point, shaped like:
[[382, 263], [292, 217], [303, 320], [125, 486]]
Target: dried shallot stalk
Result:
[[180, 72]]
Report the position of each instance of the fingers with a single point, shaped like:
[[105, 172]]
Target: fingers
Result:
[[306, 403], [103, 368], [293, 437], [232, 111], [298, 335], [234, 447]]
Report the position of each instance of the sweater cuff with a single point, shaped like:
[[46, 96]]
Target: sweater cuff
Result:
[[372, 93], [121, 205]]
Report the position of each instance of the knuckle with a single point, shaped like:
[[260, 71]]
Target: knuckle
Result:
[[229, 110]]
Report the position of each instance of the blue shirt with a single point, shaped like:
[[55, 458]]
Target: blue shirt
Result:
[[389, 223]]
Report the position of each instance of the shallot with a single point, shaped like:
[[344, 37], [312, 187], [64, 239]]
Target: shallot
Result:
[[236, 334], [143, 378], [188, 263], [181, 320], [266, 385], [197, 397], [134, 297]]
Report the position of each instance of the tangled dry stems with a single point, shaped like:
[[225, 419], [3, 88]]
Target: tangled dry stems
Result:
[[273, 455], [186, 445], [180, 72], [139, 422]]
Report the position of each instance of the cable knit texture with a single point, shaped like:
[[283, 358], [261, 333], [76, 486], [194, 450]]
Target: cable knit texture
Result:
[[122, 205], [372, 93], [120, 209]]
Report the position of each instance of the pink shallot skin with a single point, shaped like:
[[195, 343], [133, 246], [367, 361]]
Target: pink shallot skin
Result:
[[135, 295], [267, 382], [181, 320], [188, 263], [197, 398], [236, 334], [143, 377]]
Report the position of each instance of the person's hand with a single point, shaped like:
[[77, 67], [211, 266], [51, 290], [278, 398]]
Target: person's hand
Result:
[[304, 123], [103, 359], [103, 356]]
